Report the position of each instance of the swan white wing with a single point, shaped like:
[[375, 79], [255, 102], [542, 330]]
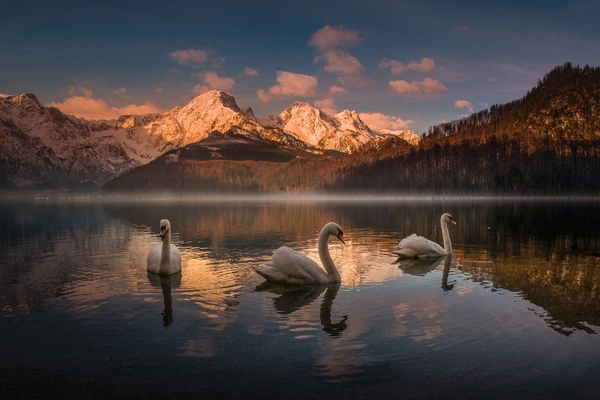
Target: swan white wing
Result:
[[153, 260], [418, 246], [270, 273], [297, 265], [175, 259]]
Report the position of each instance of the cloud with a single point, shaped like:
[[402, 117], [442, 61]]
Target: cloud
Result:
[[73, 90], [492, 79], [332, 37], [88, 108], [378, 122], [347, 67], [485, 105], [212, 82], [427, 88], [327, 105], [290, 84], [329, 42], [158, 89], [122, 90], [336, 89], [397, 67], [463, 104], [173, 71], [249, 72], [193, 57], [465, 29]]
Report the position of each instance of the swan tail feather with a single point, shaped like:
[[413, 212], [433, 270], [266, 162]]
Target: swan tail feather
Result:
[[405, 253]]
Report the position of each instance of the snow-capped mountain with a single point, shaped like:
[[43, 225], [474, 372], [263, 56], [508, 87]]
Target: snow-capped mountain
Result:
[[42, 147], [61, 150], [344, 132], [218, 111], [407, 135]]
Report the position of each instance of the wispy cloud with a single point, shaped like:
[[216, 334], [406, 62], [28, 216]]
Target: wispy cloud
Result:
[[73, 90], [249, 72], [378, 122], [89, 108], [425, 89], [464, 29], [336, 89], [121, 90], [328, 105], [192, 57], [329, 42], [463, 104], [397, 67], [211, 81], [290, 84]]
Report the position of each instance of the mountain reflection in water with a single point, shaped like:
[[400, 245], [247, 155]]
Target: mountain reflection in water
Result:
[[76, 270]]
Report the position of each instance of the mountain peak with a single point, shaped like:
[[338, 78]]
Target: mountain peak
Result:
[[212, 99], [23, 98]]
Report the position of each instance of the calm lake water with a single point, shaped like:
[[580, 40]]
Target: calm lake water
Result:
[[514, 313]]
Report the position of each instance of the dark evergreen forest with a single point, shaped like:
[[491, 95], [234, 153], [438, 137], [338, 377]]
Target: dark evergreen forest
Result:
[[546, 143]]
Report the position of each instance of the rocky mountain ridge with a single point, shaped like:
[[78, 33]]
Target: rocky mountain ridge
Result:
[[59, 150]]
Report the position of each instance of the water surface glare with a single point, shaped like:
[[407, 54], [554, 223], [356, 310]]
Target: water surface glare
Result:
[[513, 313]]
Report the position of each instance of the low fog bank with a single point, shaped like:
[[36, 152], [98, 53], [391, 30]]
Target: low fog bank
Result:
[[99, 195]]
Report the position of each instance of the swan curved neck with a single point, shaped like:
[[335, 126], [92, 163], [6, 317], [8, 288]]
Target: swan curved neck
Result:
[[326, 260], [446, 236], [165, 254]]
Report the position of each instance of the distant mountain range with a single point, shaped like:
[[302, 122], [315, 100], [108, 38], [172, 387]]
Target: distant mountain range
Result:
[[40, 147], [547, 143]]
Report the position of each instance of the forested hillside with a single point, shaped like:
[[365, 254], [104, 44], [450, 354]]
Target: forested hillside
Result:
[[546, 143]]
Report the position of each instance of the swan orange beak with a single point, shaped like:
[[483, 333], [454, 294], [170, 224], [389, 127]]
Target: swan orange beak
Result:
[[452, 220], [163, 230], [339, 236]]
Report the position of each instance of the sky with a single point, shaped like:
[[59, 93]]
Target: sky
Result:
[[399, 64]]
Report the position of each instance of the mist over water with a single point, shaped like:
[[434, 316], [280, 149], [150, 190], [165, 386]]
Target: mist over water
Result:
[[513, 312]]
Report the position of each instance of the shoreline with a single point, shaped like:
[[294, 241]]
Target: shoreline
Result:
[[99, 196]]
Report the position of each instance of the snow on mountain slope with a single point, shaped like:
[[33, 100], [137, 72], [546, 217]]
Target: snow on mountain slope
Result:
[[344, 132], [218, 111], [84, 151], [407, 135], [78, 150]]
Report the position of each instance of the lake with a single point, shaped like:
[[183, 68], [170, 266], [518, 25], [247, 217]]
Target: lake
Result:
[[513, 313]]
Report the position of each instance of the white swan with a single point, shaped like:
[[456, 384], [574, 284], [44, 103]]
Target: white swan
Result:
[[419, 247], [289, 266], [164, 258]]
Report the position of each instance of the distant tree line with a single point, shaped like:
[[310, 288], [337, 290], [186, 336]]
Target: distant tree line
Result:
[[546, 143], [502, 165]]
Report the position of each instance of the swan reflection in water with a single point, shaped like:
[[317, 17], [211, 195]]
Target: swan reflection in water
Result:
[[166, 282], [445, 285], [422, 266], [294, 297]]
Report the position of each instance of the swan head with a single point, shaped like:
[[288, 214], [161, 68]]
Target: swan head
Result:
[[334, 229], [165, 226], [448, 218]]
